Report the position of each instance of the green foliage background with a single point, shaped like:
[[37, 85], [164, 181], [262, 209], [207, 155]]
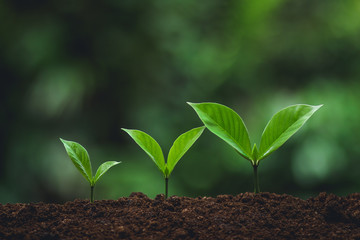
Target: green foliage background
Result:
[[81, 70]]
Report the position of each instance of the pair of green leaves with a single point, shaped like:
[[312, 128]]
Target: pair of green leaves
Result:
[[153, 149], [228, 125], [80, 158]]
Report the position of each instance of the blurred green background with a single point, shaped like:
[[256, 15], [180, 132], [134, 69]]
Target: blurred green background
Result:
[[81, 70]]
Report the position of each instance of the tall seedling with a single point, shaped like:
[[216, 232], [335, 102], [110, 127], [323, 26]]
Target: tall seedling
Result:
[[228, 125], [80, 158], [153, 149]]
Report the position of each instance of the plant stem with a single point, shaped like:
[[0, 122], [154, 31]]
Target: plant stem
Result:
[[166, 187], [92, 194], [256, 179]]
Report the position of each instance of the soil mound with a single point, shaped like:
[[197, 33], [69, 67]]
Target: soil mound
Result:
[[245, 216]]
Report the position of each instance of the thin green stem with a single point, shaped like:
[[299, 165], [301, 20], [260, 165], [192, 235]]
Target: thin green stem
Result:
[[166, 187], [92, 194], [256, 179]]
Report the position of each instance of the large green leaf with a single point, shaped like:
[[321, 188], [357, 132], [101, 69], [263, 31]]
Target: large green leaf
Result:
[[283, 125], [103, 168], [226, 124], [149, 145], [80, 158], [181, 146]]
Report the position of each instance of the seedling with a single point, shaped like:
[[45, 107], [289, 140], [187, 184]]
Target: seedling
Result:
[[80, 158], [153, 149], [228, 125]]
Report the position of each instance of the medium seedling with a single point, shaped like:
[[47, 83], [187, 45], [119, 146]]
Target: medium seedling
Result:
[[80, 158], [228, 125], [153, 149]]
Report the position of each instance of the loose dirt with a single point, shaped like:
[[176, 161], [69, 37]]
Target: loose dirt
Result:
[[245, 216]]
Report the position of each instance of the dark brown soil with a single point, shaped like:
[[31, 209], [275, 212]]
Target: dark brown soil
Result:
[[245, 216]]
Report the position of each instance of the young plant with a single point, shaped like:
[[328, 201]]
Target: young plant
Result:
[[80, 158], [153, 149], [228, 125]]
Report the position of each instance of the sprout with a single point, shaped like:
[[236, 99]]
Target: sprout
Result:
[[80, 158], [153, 149], [228, 125]]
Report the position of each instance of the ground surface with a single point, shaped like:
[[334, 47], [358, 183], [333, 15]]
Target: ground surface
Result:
[[245, 216]]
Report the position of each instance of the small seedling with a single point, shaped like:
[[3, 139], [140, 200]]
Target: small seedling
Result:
[[228, 125], [153, 149], [80, 158]]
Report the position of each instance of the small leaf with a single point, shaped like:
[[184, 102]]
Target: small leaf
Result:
[[283, 125], [181, 146], [166, 172], [80, 158], [103, 168], [255, 154], [226, 124], [149, 145]]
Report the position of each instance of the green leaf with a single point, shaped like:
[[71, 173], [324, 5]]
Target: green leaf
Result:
[[80, 158], [149, 145], [181, 146], [255, 153], [283, 125], [103, 168], [226, 124]]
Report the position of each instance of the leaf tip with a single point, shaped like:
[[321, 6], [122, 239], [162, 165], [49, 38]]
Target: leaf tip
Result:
[[63, 141], [317, 107], [202, 128], [125, 130]]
